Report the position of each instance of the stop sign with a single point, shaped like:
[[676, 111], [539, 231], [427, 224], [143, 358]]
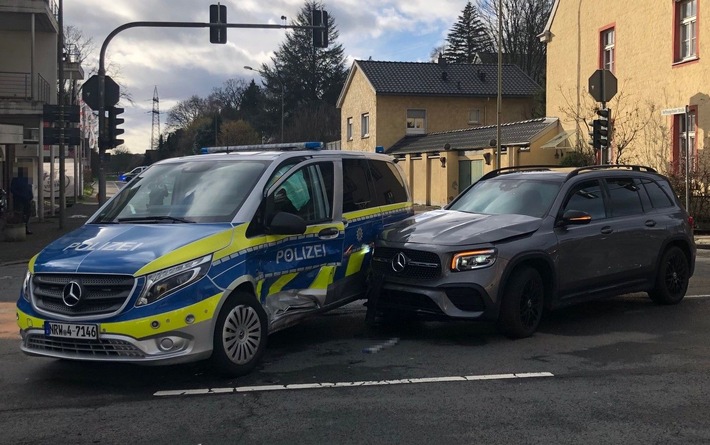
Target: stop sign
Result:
[[602, 85], [90, 92]]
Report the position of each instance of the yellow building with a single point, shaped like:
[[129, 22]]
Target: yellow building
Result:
[[653, 48]]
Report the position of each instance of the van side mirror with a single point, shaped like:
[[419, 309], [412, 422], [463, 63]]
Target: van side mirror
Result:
[[284, 223]]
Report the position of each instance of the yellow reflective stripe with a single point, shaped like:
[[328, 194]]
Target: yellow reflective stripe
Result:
[[355, 261], [324, 278], [31, 264], [141, 327], [259, 286], [398, 206], [281, 282], [194, 250]]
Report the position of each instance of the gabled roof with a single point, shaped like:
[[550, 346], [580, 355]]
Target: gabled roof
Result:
[[512, 134], [442, 79]]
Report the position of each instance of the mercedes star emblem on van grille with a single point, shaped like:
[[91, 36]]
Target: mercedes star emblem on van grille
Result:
[[71, 294], [399, 262]]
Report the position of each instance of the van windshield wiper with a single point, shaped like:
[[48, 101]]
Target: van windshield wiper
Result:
[[154, 219]]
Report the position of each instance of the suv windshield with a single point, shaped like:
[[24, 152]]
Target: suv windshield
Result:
[[508, 196], [191, 191]]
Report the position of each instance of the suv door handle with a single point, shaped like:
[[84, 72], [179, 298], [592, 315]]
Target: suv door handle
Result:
[[607, 230], [328, 233], [651, 223]]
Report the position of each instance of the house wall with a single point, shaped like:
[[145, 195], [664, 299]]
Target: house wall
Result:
[[648, 79], [360, 99]]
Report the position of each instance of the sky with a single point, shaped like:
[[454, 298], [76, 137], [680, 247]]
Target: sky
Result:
[[181, 62]]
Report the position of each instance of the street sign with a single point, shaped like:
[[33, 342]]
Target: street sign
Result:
[[52, 136], [602, 85], [671, 111], [90, 92], [50, 113]]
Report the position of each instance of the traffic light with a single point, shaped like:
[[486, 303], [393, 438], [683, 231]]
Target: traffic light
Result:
[[603, 128], [113, 122], [218, 14], [320, 35]]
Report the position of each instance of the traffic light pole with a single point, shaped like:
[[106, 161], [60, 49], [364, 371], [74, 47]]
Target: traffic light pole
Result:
[[102, 73]]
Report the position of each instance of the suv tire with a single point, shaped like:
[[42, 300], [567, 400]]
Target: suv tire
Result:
[[240, 335], [672, 277], [522, 305]]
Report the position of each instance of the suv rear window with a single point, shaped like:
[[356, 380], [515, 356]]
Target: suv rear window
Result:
[[659, 199]]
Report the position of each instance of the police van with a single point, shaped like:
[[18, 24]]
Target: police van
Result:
[[203, 256]]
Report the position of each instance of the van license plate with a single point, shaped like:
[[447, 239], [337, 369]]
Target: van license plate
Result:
[[70, 330]]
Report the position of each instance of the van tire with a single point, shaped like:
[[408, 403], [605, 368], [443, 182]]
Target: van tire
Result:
[[240, 335], [523, 304]]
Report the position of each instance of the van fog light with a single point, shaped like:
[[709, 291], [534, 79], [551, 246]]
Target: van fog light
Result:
[[166, 344], [155, 324], [190, 319]]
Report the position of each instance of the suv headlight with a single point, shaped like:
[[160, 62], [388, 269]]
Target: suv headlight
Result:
[[26, 286], [473, 259], [162, 283]]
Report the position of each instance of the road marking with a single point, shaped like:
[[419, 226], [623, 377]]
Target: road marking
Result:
[[299, 386]]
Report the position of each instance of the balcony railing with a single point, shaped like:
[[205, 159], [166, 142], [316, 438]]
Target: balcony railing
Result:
[[18, 86]]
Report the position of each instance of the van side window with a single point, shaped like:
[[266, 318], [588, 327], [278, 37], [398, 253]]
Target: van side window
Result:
[[357, 194], [389, 185], [586, 197], [625, 197], [306, 192]]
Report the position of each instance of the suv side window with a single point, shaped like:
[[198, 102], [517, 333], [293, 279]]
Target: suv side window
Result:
[[659, 199], [389, 185], [625, 197], [357, 194], [587, 197]]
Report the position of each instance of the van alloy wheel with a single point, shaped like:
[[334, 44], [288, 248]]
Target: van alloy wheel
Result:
[[241, 334]]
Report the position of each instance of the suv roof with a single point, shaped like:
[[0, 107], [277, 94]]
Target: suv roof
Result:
[[556, 171]]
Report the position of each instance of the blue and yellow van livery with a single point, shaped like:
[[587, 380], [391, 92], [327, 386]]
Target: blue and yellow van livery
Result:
[[204, 256]]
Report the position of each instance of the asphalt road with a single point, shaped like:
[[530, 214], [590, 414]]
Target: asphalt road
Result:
[[622, 370]]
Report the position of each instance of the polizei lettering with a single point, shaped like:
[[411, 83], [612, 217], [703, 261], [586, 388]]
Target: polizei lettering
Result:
[[89, 247], [300, 253]]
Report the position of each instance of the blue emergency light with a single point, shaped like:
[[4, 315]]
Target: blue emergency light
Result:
[[288, 146]]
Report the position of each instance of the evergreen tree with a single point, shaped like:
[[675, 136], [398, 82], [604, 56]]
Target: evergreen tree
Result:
[[307, 77], [467, 37]]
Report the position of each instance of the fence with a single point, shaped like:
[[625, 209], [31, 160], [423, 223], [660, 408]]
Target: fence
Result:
[[19, 86]]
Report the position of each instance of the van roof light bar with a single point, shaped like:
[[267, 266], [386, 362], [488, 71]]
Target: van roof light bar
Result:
[[288, 146]]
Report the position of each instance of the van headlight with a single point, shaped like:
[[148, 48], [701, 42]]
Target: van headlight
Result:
[[473, 259], [162, 283], [26, 286]]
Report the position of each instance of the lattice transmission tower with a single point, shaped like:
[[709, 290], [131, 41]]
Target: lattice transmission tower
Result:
[[155, 130]]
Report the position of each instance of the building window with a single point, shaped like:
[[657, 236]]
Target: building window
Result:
[[365, 125], [416, 121], [474, 116], [349, 128], [686, 33], [681, 134], [608, 41]]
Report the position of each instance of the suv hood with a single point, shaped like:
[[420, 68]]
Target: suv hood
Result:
[[451, 227], [125, 248]]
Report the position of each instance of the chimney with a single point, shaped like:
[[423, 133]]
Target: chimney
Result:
[[441, 61]]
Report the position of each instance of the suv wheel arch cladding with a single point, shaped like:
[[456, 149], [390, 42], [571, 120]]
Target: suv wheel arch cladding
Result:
[[542, 264]]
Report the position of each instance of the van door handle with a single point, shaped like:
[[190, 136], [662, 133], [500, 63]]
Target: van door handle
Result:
[[329, 233], [607, 230], [651, 223]]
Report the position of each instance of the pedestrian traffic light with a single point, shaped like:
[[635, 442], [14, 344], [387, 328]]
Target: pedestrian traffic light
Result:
[[113, 122], [218, 14], [320, 35]]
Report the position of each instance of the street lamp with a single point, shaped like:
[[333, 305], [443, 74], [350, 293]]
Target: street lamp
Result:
[[281, 81]]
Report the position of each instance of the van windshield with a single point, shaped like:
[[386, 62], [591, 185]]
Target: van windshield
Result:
[[191, 191]]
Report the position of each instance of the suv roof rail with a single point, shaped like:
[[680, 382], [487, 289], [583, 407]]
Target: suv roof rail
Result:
[[504, 170], [286, 146], [637, 168]]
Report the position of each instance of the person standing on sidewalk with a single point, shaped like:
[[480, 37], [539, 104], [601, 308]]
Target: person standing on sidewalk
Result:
[[22, 196]]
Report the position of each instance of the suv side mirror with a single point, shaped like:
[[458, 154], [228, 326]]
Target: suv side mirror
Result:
[[574, 218], [284, 223]]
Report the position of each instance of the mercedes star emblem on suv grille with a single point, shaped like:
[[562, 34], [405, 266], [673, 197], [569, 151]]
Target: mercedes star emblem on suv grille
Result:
[[399, 262], [71, 294]]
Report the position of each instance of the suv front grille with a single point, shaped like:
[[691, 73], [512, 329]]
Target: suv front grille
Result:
[[416, 263], [94, 295]]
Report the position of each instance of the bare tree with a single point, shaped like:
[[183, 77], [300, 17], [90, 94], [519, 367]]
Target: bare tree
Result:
[[187, 111], [229, 95], [237, 133]]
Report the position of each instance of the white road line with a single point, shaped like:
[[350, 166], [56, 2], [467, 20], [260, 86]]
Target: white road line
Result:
[[298, 386]]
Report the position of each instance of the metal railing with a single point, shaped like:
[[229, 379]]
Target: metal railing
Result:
[[19, 86]]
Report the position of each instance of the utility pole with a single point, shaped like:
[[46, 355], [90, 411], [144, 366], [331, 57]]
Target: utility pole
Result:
[[499, 105]]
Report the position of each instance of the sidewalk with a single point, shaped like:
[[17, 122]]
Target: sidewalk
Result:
[[45, 232]]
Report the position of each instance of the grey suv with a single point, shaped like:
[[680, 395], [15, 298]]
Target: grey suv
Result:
[[525, 239]]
